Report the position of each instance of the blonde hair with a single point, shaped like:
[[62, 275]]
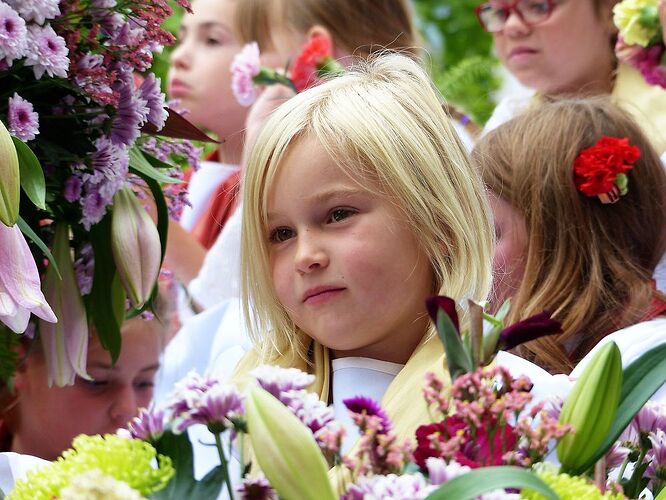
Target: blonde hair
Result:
[[590, 264], [384, 124], [359, 26]]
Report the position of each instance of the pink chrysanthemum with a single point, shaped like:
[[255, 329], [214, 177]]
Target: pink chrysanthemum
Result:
[[244, 68], [47, 52], [13, 35], [23, 120], [36, 10]]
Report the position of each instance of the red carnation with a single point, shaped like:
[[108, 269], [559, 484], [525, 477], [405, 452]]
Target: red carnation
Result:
[[596, 168], [315, 54]]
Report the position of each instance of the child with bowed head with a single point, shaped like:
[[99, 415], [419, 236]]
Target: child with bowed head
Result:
[[42, 421], [579, 198], [359, 203], [566, 47]]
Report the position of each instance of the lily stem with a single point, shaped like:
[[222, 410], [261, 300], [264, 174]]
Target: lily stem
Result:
[[225, 463]]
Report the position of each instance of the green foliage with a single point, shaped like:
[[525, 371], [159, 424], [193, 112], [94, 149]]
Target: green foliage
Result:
[[461, 56], [8, 355]]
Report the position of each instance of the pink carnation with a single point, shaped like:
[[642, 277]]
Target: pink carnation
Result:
[[244, 68]]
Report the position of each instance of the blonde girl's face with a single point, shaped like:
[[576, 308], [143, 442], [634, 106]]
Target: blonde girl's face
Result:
[[50, 417], [510, 249], [570, 52], [200, 73], [346, 265]]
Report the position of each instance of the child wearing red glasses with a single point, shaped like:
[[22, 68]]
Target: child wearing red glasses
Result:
[[566, 47]]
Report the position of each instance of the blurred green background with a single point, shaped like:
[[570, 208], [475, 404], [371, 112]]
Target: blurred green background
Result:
[[461, 63]]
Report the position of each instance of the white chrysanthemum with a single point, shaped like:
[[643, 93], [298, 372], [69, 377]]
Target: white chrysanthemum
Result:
[[47, 52], [95, 485], [36, 10]]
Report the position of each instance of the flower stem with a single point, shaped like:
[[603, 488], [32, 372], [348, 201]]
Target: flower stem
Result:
[[225, 464], [620, 474]]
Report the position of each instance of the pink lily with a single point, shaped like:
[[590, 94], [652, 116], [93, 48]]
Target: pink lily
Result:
[[65, 343], [20, 292]]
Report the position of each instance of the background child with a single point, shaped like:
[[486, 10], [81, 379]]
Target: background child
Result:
[[42, 421], [335, 271], [587, 262]]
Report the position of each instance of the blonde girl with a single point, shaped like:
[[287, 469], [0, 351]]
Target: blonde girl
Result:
[[588, 262], [360, 202]]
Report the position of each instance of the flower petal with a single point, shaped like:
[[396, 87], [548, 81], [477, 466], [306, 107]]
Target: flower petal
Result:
[[435, 303], [529, 329]]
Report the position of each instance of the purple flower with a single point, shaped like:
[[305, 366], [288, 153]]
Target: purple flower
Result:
[[13, 35], [72, 189], [244, 68], [36, 10], [47, 52], [528, 329], [657, 456], [616, 455], [23, 120], [256, 488], [447, 304], [131, 113], [440, 472], [278, 380], [84, 267], [379, 487], [150, 92], [148, 425], [310, 410], [650, 418], [360, 405]]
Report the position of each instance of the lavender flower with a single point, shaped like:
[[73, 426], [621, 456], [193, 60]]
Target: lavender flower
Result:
[[362, 406], [650, 418], [148, 425], [278, 380], [256, 488], [440, 472], [131, 113], [150, 92], [84, 267], [310, 410], [47, 52], [36, 10], [616, 455], [13, 35], [244, 68], [72, 189], [23, 120], [391, 486], [657, 456]]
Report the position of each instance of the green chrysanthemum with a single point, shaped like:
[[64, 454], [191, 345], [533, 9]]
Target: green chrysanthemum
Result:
[[126, 460], [568, 487]]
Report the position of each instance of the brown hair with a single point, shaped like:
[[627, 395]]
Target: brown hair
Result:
[[590, 264], [359, 26]]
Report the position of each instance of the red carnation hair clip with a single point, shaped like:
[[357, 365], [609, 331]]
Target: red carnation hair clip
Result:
[[601, 170]]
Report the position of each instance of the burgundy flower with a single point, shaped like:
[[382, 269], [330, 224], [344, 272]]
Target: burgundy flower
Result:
[[528, 329], [437, 440], [487, 449], [434, 304], [361, 405]]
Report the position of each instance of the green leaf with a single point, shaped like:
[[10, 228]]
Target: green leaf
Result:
[[480, 481], [32, 175], [183, 485], [27, 230], [139, 163], [641, 379], [107, 293], [457, 357], [661, 495]]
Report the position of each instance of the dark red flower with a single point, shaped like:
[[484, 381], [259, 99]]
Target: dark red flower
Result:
[[487, 449], [309, 62], [528, 329], [596, 168], [367, 406], [431, 439], [435, 303]]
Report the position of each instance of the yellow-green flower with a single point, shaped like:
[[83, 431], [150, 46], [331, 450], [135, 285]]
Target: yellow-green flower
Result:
[[637, 21], [568, 487], [95, 485], [123, 459]]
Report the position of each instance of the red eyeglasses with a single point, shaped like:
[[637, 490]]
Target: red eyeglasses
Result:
[[494, 15]]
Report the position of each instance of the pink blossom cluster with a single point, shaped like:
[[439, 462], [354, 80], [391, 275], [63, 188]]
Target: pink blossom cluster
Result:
[[648, 60]]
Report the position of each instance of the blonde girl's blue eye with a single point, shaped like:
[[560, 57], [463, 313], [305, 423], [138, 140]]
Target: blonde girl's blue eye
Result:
[[281, 234], [340, 214]]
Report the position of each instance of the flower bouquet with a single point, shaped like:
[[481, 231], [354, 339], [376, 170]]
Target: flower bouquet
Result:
[[79, 154], [487, 436], [641, 41]]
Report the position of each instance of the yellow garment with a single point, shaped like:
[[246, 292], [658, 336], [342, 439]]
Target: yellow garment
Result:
[[403, 400], [645, 102]]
